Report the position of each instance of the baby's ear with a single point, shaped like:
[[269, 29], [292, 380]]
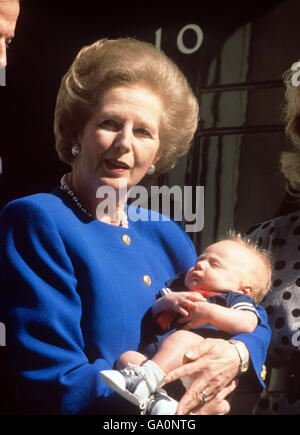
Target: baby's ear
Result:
[[247, 290]]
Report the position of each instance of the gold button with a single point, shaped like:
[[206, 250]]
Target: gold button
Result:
[[126, 239], [147, 280]]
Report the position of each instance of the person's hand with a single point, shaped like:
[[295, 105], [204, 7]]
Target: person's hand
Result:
[[218, 405], [178, 302], [213, 365], [197, 316]]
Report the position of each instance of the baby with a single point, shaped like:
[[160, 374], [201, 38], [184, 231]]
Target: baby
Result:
[[229, 278]]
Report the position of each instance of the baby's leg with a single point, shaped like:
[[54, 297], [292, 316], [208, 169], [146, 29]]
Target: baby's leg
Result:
[[137, 384], [171, 353], [130, 357]]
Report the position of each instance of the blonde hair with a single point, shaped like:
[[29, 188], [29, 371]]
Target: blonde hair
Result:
[[260, 276], [109, 63], [290, 161]]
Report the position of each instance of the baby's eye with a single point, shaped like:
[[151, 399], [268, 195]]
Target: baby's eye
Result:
[[215, 264]]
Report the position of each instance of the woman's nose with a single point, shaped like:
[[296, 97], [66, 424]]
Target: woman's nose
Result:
[[3, 60], [124, 139]]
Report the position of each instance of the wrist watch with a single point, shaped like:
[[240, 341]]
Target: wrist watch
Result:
[[243, 354]]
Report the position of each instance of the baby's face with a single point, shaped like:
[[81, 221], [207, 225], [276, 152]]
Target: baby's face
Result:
[[222, 266]]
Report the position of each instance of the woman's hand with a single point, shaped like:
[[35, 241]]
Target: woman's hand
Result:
[[218, 405], [214, 364]]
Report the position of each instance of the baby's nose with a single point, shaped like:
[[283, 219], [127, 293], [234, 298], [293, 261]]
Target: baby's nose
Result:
[[199, 264]]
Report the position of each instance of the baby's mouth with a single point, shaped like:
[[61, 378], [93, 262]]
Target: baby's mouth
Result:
[[196, 274]]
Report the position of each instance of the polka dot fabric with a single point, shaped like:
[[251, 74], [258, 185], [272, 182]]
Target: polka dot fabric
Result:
[[282, 237]]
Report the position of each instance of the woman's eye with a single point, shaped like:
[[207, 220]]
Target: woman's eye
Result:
[[109, 124], [143, 132]]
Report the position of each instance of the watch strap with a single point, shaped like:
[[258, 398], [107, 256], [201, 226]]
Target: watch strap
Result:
[[243, 354]]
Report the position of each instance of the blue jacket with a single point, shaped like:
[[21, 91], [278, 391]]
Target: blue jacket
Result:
[[74, 296]]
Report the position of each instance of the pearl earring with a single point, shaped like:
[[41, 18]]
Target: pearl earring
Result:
[[151, 170], [75, 149]]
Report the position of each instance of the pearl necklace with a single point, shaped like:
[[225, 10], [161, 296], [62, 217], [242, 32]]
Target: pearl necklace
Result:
[[66, 188]]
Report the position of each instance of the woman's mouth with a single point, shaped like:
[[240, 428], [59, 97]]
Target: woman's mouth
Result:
[[116, 165]]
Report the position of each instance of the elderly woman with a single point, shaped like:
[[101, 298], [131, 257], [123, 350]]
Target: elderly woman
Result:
[[78, 279], [282, 236]]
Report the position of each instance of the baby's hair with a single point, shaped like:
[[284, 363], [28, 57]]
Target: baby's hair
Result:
[[260, 277]]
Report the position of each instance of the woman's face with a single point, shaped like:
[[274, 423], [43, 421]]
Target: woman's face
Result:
[[121, 140]]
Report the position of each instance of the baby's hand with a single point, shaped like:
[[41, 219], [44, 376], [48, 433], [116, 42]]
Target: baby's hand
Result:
[[199, 315], [179, 302]]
